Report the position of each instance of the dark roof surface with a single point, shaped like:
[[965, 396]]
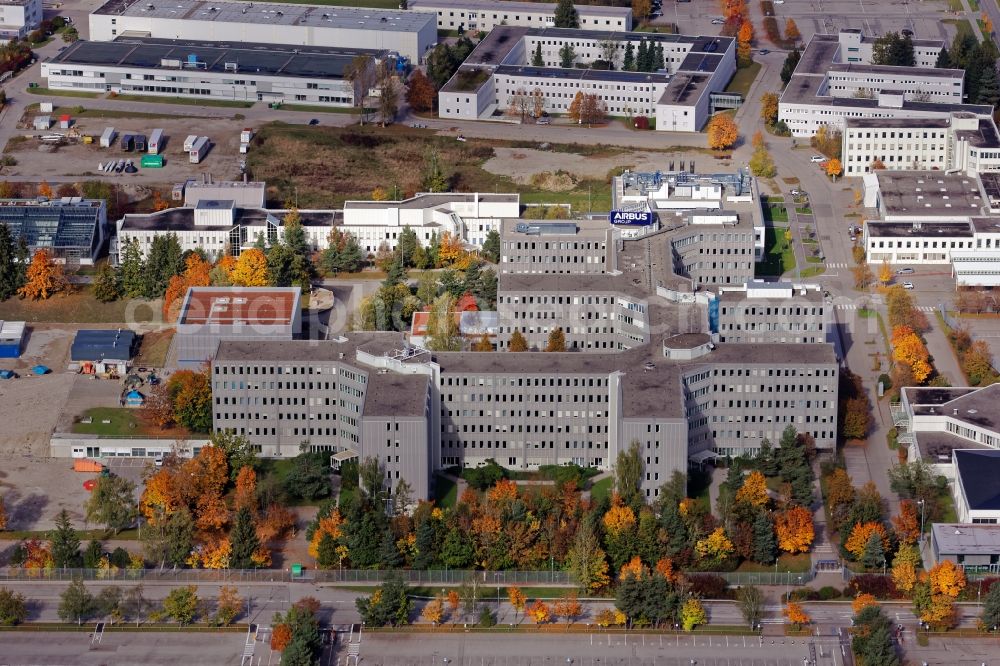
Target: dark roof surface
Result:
[[979, 471], [101, 344]]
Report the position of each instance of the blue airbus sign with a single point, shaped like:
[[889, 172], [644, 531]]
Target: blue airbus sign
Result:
[[630, 218]]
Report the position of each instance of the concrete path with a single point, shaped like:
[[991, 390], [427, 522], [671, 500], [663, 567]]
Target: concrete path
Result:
[[942, 354]]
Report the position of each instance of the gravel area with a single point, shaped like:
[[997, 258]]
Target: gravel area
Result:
[[523, 163]]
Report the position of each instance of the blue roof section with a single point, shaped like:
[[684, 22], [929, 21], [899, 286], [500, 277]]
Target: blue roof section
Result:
[[979, 471], [102, 344]]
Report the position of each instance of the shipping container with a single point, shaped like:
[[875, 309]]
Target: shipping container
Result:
[[151, 162], [198, 150], [87, 465], [155, 142], [246, 135], [189, 142], [108, 137], [127, 142], [140, 143], [244, 148]]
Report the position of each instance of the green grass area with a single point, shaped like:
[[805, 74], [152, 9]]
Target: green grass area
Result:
[[85, 535], [812, 271], [79, 112], [866, 313], [154, 348], [803, 210], [811, 241], [787, 562], [312, 108], [124, 422], [445, 492], [62, 93], [974, 5], [156, 99], [962, 26], [699, 482], [743, 79], [947, 504], [955, 6], [79, 307], [885, 333], [779, 258], [601, 489], [775, 212]]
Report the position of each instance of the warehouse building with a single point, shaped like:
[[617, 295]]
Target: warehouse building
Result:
[[835, 81], [678, 94], [107, 351], [20, 17], [409, 34], [252, 72], [71, 229], [974, 548], [476, 15], [962, 142], [209, 315], [215, 225]]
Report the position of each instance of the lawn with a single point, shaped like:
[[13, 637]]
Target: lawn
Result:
[[786, 562], [601, 489], [62, 93], [445, 491], [812, 271], [313, 108], [154, 347], [156, 99], [962, 26], [80, 112], [803, 210], [743, 79], [866, 313], [124, 422], [77, 307], [779, 258], [775, 212]]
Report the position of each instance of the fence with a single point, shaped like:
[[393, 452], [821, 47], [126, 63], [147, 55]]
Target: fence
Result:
[[792, 579]]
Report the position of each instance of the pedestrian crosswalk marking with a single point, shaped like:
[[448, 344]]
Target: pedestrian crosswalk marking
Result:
[[855, 306]]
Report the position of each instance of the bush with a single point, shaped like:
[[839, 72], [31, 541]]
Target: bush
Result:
[[484, 476], [486, 618], [710, 586], [886, 381], [877, 585], [828, 592]]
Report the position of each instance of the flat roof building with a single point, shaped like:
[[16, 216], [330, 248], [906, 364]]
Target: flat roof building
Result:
[[975, 548], [677, 93], [108, 350], [209, 315], [243, 71], [20, 17], [71, 229], [484, 15], [408, 33], [977, 495]]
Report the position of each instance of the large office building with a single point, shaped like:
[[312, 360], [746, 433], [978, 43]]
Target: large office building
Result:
[[19, 17], [230, 217], [72, 229], [482, 15], [678, 94], [251, 72], [835, 81], [961, 142], [409, 34]]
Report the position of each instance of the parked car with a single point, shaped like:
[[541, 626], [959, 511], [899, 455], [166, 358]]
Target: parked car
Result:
[[904, 271], [544, 120], [314, 121], [796, 192], [763, 52], [817, 159], [907, 285], [905, 32], [718, 22]]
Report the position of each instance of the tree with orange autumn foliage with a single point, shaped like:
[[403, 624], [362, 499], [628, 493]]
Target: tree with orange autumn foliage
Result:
[[909, 349], [158, 408], [281, 636], [833, 167], [517, 599], [196, 274], [539, 612], [568, 607], [37, 555], [245, 494], [665, 567], [250, 269], [794, 529], [754, 490], [745, 33], [906, 525], [44, 277], [44, 189], [505, 490], [946, 578], [450, 250], [860, 535], [191, 397], [211, 513], [633, 568], [619, 517], [863, 601], [722, 132], [796, 614], [206, 474], [159, 203], [161, 496], [792, 33]]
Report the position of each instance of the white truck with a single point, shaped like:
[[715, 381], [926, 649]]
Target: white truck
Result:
[[155, 142], [108, 137], [189, 142], [198, 150]]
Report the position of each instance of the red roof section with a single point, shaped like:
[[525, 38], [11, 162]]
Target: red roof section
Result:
[[228, 306]]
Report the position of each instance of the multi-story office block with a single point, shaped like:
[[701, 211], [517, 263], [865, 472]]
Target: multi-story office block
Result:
[[18, 18], [574, 246], [476, 15], [761, 312]]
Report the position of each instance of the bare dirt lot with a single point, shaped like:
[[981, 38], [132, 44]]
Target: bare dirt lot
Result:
[[76, 159], [36, 489], [520, 164]]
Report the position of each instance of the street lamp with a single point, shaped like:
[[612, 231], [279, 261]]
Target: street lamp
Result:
[[921, 542]]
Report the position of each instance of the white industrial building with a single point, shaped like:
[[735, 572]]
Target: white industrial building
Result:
[[962, 142], [19, 17], [207, 70], [834, 81], [220, 224], [474, 15], [679, 96], [409, 34]]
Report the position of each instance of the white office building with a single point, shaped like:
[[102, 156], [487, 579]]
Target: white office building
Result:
[[475, 15], [962, 142], [409, 34], [835, 81], [679, 95], [218, 225], [19, 17], [207, 70]]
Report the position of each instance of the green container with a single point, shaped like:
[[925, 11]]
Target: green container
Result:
[[152, 162], [296, 569]]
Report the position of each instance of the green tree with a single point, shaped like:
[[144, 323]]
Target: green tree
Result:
[[309, 478], [93, 554], [536, 58], [406, 246], [457, 551], [65, 542], [389, 554], [991, 608], [491, 246], [305, 644], [134, 604], [244, 541], [566, 56], [388, 605], [874, 554], [112, 503], [181, 604], [751, 602], [628, 470], [342, 254], [106, 284], [658, 62], [943, 60], [566, 15], [872, 641], [434, 177], [108, 602], [765, 545], [442, 325], [169, 539], [12, 608], [628, 60], [132, 269], [364, 539], [76, 604], [327, 555], [12, 265], [426, 546], [788, 67], [165, 260], [642, 56], [238, 449]]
